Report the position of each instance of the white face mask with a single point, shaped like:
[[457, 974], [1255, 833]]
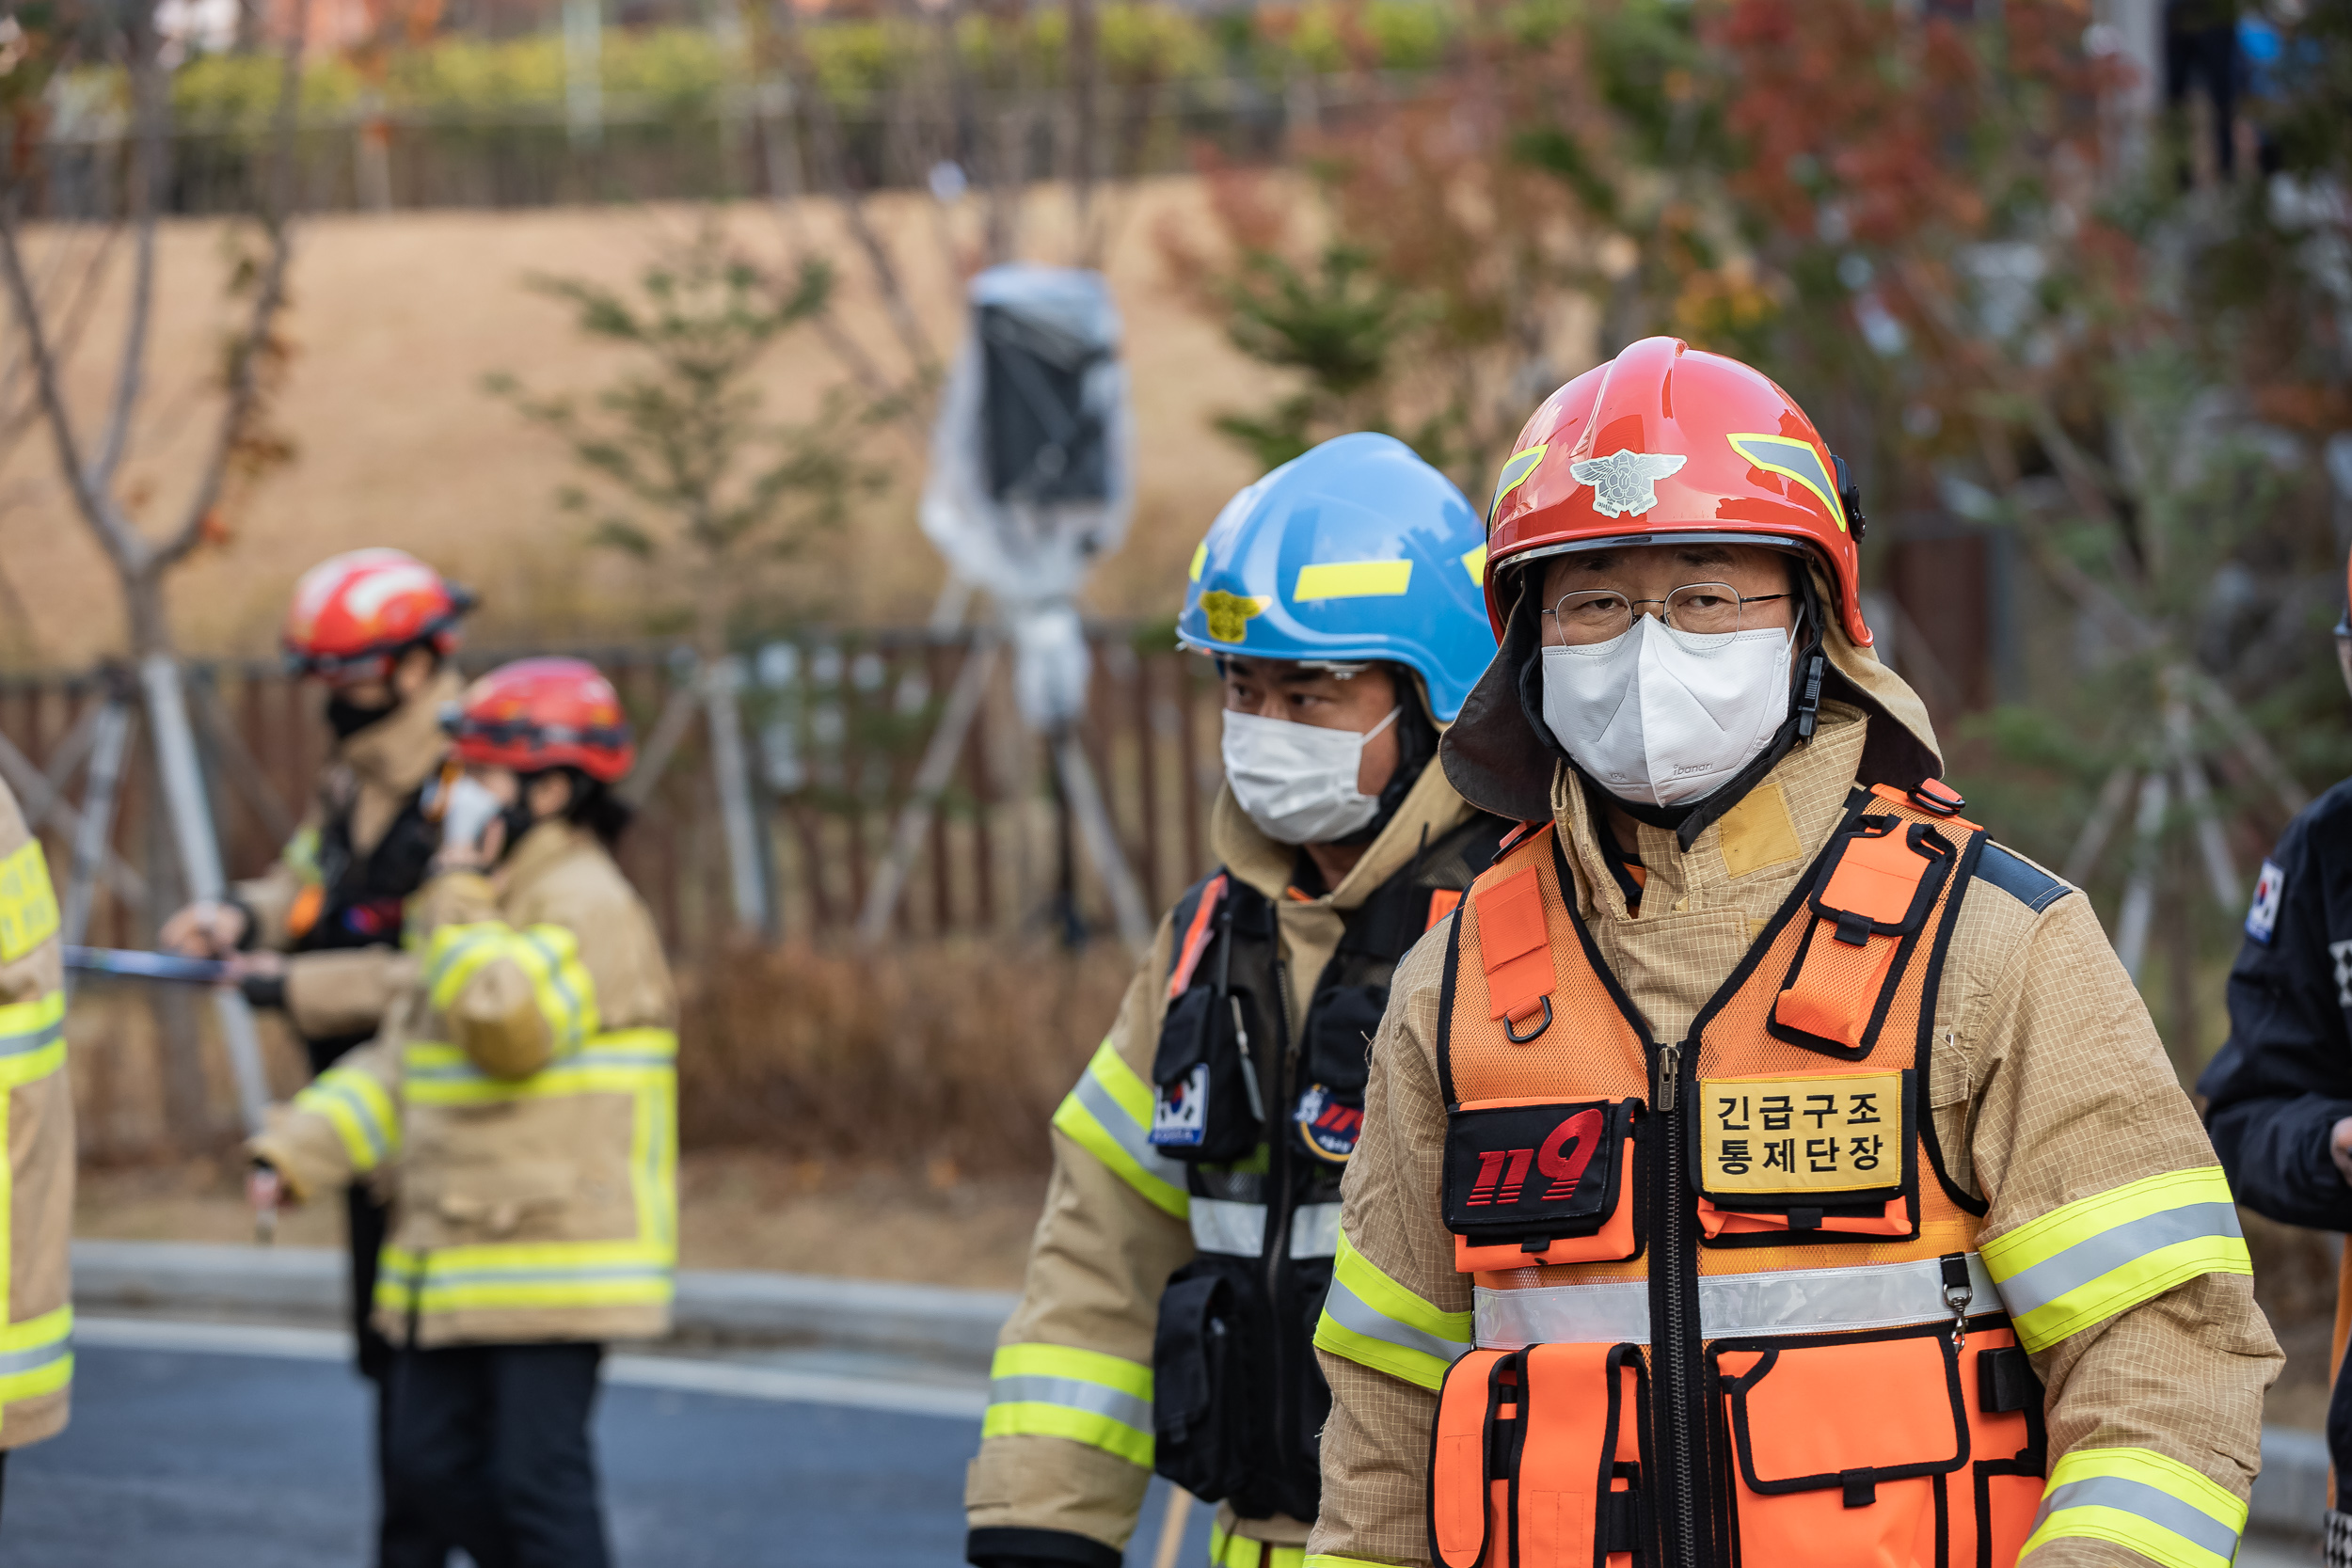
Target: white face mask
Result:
[[1659, 716], [1297, 782]]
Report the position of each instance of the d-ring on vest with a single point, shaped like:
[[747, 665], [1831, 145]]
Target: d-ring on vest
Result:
[[1729, 1307]]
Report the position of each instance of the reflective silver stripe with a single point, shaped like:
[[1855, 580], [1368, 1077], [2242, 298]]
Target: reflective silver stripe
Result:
[[1314, 1230], [2159, 1507], [2109, 1250], [1130, 1134], [40, 1355], [1869, 1295], [1075, 1393], [1350, 1310], [32, 1039], [1222, 1225]]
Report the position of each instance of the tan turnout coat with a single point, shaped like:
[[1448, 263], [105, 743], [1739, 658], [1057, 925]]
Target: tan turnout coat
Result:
[[518, 1110], [36, 1347]]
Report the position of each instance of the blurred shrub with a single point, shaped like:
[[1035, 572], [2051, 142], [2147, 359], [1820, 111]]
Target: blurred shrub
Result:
[[671, 72], [953, 1050]]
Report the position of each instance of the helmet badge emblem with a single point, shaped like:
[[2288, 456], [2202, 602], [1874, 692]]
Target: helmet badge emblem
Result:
[[1228, 615], [1626, 483]]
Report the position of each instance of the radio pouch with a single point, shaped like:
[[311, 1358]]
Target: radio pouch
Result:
[[1869, 905]]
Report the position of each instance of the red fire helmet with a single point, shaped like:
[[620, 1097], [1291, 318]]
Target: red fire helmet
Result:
[[540, 713], [1666, 442], [354, 613]]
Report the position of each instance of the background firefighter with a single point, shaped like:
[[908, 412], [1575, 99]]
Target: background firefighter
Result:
[[520, 1107], [377, 627], [2279, 1093], [1187, 1234], [2031, 1335]]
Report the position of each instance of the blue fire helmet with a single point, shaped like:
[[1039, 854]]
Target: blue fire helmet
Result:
[[1354, 551]]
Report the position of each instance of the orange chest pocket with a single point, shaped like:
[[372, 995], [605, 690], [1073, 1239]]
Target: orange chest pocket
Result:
[[1871, 905], [1542, 1181]]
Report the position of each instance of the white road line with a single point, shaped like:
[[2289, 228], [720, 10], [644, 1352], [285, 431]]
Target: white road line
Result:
[[734, 1379]]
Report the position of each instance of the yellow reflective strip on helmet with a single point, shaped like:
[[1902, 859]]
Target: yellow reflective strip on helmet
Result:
[[1792, 458], [1227, 1550], [1515, 472], [28, 905], [2141, 1500], [1079, 1426], [1474, 563], [1352, 579], [2088, 1260], [1374, 1321], [1199, 560], [1087, 1366]]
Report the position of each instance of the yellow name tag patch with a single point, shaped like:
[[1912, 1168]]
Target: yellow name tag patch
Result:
[[1767, 1136]]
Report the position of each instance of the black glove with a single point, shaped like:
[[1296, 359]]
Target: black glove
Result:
[[264, 990]]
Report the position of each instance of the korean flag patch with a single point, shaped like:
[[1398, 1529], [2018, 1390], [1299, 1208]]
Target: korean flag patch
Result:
[[2261, 916]]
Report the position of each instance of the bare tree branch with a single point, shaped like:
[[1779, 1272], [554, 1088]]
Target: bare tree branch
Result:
[[269, 297], [147, 157]]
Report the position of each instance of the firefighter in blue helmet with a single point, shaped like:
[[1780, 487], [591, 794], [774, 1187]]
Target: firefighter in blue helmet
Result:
[[1186, 1245], [2279, 1093]]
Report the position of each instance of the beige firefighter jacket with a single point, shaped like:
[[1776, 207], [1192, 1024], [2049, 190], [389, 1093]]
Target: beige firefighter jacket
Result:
[[518, 1110], [1115, 1223], [2053, 1092], [367, 777], [36, 1343]]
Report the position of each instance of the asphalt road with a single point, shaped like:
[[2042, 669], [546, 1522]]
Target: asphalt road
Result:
[[203, 1459]]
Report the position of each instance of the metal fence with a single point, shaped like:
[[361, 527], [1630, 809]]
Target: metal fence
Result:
[[834, 723]]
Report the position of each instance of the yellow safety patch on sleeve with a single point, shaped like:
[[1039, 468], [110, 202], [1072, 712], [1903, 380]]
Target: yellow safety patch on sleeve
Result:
[[2088, 1260], [28, 905], [1110, 1116], [1372, 1320], [2140, 1501]]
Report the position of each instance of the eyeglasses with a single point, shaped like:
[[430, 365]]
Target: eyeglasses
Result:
[[1703, 609]]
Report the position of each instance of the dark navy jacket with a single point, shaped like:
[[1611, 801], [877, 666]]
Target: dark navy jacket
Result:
[[2284, 1079]]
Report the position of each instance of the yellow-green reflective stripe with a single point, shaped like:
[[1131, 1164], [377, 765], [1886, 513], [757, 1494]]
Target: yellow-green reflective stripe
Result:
[[454, 953], [2090, 1260], [1056, 1420], [1108, 1115], [524, 1275], [2143, 1500], [301, 854], [627, 1061], [1352, 579], [1085, 1382], [32, 1038], [1200, 559], [359, 1111], [549, 954], [28, 905], [1372, 1320], [1331, 1560], [1474, 563], [1515, 472], [1246, 1553], [36, 1356]]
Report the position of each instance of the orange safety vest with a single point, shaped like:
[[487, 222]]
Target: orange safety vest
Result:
[[1728, 1304]]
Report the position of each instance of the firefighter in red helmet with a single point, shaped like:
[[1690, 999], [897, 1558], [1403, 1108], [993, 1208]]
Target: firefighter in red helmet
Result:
[[520, 1106], [317, 935], [1760, 1166]]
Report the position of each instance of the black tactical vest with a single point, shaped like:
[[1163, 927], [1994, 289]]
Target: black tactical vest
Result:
[[1264, 1124], [365, 895]]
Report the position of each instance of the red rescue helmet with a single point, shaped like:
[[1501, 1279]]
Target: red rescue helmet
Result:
[[354, 613], [1666, 442], [540, 713]]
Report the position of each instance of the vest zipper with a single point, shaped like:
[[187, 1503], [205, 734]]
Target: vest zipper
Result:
[[1676, 1344]]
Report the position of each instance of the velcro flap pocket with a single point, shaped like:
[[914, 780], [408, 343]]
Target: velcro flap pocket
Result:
[[1479, 1392], [1205, 1099], [1871, 902], [1514, 943], [1540, 1182], [1577, 1497], [1848, 1414]]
